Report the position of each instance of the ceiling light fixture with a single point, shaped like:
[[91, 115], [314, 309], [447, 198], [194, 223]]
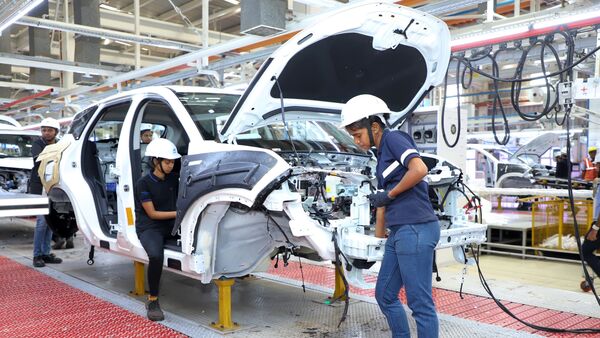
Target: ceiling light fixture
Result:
[[233, 2], [563, 22], [123, 43], [17, 13], [110, 8], [489, 37]]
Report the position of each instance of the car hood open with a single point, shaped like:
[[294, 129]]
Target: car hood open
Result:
[[390, 51], [538, 146]]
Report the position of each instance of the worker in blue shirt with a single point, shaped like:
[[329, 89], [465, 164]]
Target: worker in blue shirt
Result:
[[591, 243], [403, 207]]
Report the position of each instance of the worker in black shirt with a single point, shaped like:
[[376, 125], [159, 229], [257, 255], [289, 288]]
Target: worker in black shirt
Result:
[[155, 205], [42, 235], [562, 166]]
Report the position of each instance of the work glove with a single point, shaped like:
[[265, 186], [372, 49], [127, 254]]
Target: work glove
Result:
[[380, 199]]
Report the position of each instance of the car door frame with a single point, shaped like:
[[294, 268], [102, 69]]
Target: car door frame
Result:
[[128, 239]]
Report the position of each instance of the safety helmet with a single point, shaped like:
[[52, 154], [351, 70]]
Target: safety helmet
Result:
[[162, 148], [145, 126], [50, 122], [592, 148], [363, 106]]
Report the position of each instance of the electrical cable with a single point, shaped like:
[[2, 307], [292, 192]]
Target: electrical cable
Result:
[[285, 125], [443, 113], [340, 271], [491, 77], [488, 290], [551, 109]]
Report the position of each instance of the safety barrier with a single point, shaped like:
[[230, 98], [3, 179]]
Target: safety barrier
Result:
[[552, 225]]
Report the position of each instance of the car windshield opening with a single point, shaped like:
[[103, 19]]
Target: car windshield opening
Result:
[[307, 136], [208, 110]]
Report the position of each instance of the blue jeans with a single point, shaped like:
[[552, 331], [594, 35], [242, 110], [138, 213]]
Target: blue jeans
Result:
[[41, 237], [408, 261]]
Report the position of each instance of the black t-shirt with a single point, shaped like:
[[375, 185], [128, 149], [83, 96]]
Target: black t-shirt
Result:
[[35, 184], [562, 169], [162, 193]]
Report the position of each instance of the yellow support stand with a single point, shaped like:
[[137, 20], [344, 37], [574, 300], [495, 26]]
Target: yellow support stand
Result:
[[339, 293], [225, 322], [138, 282], [499, 202]]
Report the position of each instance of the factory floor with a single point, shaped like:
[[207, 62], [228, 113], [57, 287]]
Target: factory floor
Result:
[[75, 299]]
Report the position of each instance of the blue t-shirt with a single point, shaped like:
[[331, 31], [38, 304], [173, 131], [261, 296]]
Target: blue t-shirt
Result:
[[412, 206]]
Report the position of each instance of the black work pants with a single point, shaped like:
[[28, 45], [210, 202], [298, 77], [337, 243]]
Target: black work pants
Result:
[[153, 241], [587, 248]]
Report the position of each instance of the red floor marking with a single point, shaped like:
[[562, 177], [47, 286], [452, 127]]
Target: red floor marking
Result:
[[548, 318], [495, 314], [587, 323], [36, 305], [481, 309], [533, 312]]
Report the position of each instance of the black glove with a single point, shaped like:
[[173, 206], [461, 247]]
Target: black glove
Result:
[[380, 199]]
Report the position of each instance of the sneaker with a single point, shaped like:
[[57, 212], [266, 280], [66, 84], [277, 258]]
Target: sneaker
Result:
[[51, 259], [38, 262], [69, 244], [154, 311], [58, 244]]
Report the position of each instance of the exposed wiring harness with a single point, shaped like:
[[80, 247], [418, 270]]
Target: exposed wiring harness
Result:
[[340, 271], [285, 125], [550, 110], [287, 252]]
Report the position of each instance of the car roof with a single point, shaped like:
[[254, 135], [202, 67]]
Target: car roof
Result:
[[162, 90]]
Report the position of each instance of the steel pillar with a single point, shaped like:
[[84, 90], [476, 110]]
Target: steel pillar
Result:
[[39, 45], [67, 47], [87, 48], [5, 70]]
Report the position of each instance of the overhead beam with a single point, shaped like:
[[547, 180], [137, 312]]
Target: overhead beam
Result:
[[189, 6], [320, 3], [107, 56], [53, 64], [104, 33], [28, 86], [166, 30], [142, 5], [226, 13]]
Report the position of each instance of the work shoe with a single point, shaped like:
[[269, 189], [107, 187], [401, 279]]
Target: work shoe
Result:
[[69, 244], [154, 312], [38, 262], [51, 259], [58, 243]]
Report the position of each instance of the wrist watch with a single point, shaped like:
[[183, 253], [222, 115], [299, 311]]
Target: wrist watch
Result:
[[595, 227]]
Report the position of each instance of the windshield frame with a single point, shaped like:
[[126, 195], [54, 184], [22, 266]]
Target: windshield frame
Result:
[[208, 131]]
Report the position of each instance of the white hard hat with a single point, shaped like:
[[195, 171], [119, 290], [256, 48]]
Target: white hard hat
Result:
[[162, 148], [362, 106], [50, 122], [145, 126]]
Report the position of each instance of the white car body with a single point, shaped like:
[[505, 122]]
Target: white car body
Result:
[[239, 205]]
